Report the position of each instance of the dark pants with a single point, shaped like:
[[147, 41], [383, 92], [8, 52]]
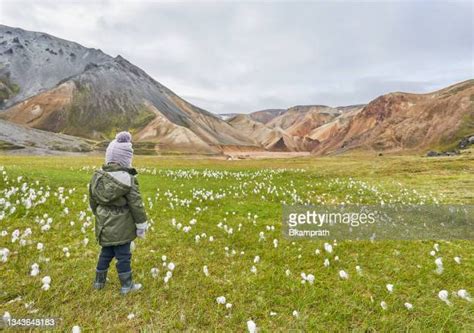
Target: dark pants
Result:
[[120, 252]]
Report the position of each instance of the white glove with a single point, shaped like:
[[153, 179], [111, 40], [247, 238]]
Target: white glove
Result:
[[141, 229]]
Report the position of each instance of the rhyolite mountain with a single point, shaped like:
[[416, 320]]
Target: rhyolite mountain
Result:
[[50, 84], [403, 122], [392, 122], [60, 86]]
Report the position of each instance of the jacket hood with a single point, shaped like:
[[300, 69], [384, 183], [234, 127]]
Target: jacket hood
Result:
[[106, 188], [116, 167]]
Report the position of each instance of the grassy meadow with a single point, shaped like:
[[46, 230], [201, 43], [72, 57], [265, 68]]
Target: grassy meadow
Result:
[[216, 228]]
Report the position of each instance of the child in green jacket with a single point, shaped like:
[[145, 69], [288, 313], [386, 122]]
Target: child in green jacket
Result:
[[120, 215]]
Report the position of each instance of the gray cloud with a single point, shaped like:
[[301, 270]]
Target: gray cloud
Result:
[[245, 56]]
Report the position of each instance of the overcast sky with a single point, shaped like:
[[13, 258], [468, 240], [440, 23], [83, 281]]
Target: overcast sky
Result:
[[245, 56]]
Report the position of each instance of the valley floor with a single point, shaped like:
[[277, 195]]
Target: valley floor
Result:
[[233, 211]]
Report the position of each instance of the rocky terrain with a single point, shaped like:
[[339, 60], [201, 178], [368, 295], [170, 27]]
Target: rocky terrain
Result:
[[58, 86], [16, 137], [406, 122]]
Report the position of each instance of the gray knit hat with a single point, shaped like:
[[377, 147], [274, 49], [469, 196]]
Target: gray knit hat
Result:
[[120, 150]]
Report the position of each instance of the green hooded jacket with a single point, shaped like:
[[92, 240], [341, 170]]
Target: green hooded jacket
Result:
[[115, 200]]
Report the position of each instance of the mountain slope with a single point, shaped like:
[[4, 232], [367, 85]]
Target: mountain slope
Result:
[[404, 121], [35, 62], [96, 99], [265, 116], [13, 136], [272, 139]]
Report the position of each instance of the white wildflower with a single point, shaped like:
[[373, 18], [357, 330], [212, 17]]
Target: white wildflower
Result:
[[220, 300], [34, 269], [443, 295], [343, 275], [462, 293], [251, 326], [328, 247], [154, 272], [326, 262]]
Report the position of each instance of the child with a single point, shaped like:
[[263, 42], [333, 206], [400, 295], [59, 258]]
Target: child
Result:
[[120, 216]]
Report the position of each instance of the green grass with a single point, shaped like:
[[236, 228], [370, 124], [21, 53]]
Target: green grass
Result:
[[239, 189]]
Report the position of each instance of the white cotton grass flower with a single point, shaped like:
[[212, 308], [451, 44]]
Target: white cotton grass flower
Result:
[[40, 247], [76, 329], [253, 269], [154, 272], [163, 258], [296, 314], [6, 316], [130, 316], [34, 269], [46, 283], [343, 275], [408, 306], [272, 313], [228, 306], [317, 251], [443, 295], [171, 266], [457, 260], [256, 260], [358, 270], [307, 278], [384, 305], [432, 253], [439, 266], [436, 247], [205, 270], [275, 243], [168, 276], [389, 287], [326, 262], [328, 247], [251, 326], [46, 280], [4, 253], [462, 293], [220, 300], [287, 272]]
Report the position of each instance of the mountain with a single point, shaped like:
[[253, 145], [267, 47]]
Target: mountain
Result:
[[265, 116], [20, 138], [403, 122], [60, 86], [272, 139], [392, 122]]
